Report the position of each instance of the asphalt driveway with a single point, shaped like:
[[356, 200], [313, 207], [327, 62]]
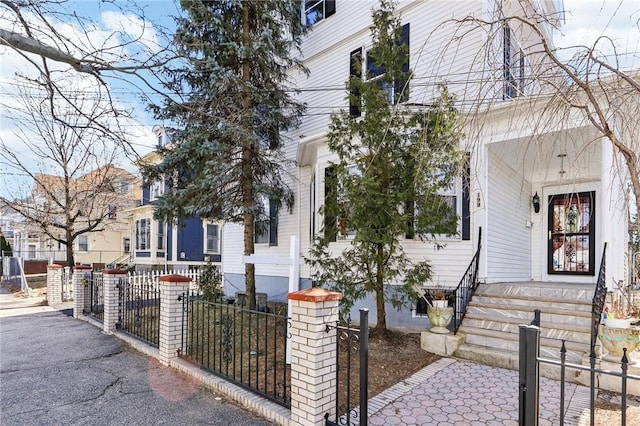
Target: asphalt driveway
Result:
[[57, 370]]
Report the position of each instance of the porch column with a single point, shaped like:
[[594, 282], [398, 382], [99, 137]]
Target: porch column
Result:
[[81, 276], [111, 279], [313, 355], [172, 287], [54, 284]]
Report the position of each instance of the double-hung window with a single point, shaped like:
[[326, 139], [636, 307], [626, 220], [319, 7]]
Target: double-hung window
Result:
[[317, 10], [83, 243], [213, 239], [161, 234], [266, 223], [143, 234], [397, 89], [513, 65]]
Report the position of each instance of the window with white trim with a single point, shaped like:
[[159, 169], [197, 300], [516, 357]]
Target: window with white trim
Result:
[[212, 238], [143, 234], [161, 236], [266, 223], [317, 10], [368, 68], [513, 65], [82, 243], [156, 189]]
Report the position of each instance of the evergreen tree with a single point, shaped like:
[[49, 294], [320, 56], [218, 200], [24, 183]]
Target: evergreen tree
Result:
[[393, 161], [230, 103], [5, 247]]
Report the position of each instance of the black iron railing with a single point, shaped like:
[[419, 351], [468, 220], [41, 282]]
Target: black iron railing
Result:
[[139, 311], [467, 287], [352, 378], [599, 297], [243, 346], [529, 378], [95, 306]]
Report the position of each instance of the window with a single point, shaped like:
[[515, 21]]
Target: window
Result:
[[336, 227], [317, 10], [398, 89], [156, 189], [112, 213], [83, 243], [160, 236], [355, 71], [125, 187], [266, 226], [212, 243], [143, 234], [513, 65], [126, 245], [32, 251]]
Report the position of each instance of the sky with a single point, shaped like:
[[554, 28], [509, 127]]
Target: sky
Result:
[[585, 20]]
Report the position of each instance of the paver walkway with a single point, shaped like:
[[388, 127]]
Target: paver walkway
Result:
[[455, 392]]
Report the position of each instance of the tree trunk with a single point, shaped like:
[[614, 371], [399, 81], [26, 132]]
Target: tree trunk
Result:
[[247, 161], [69, 246], [381, 325]]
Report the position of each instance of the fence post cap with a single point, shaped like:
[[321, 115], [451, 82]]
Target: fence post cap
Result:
[[81, 267], [54, 266], [114, 272], [175, 278], [314, 294]]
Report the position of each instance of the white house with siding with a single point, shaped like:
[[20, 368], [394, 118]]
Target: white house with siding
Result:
[[512, 158]]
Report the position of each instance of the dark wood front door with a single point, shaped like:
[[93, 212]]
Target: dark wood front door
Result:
[[572, 220]]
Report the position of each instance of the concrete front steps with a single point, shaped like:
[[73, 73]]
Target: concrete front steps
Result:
[[490, 327]]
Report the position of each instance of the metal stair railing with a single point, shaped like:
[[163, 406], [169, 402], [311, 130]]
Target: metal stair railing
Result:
[[467, 286], [599, 297]]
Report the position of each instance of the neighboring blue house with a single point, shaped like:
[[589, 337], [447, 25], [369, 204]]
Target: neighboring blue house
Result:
[[158, 245]]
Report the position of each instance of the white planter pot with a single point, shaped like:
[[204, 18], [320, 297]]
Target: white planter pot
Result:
[[439, 303], [617, 322]]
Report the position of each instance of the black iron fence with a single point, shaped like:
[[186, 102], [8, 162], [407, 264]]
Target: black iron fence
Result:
[[529, 378], [467, 287], [352, 367], [139, 310], [95, 306], [243, 346]]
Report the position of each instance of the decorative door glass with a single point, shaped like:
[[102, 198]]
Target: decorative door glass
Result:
[[572, 234]]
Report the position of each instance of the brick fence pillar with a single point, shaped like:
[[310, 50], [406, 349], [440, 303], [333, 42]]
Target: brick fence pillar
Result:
[[110, 280], [81, 277], [313, 355], [171, 288], [54, 284]]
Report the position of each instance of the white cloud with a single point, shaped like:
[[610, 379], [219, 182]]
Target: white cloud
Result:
[[619, 21]]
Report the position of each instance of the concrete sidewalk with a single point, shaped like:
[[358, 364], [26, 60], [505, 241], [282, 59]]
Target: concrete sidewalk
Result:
[[58, 370]]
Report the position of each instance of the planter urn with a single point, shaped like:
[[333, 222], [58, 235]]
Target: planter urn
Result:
[[440, 317], [615, 339]]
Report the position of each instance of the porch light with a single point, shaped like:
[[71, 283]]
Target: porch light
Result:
[[536, 202]]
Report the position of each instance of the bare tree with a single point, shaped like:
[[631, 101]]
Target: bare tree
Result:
[[594, 85], [77, 189]]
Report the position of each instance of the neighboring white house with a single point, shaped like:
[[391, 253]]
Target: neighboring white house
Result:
[[581, 203]]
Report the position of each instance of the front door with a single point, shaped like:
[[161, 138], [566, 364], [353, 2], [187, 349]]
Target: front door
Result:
[[572, 234]]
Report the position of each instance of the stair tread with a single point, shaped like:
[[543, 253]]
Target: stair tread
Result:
[[534, 298], [505, 335], [530, 308], [518, 321]]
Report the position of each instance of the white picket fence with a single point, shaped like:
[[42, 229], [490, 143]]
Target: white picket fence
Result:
[[152, 278]]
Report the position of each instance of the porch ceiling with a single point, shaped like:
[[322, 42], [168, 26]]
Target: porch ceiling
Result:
[[538, 157]]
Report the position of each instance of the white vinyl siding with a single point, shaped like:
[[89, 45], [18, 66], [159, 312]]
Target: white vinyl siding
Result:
[[508, 243]]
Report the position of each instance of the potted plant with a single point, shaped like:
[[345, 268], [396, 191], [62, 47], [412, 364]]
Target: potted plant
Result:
[[619, 328], [439, 313]]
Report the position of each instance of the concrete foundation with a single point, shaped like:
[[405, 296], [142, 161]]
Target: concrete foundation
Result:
[[440, 344]]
